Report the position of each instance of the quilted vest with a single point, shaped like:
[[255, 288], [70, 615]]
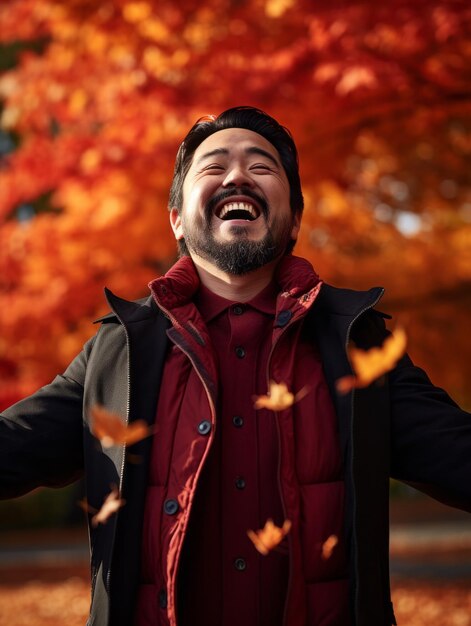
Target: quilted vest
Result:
[[310, 469]]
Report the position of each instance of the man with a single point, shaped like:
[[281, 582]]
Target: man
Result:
[[236, 311]]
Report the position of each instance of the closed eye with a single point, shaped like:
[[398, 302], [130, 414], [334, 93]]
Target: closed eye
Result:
[[214, 167], [261, 166]]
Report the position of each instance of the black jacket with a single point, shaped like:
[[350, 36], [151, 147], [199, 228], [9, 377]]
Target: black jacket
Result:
[[400, 426]]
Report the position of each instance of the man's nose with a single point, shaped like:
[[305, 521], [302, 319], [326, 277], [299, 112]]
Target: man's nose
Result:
[[236, 177]]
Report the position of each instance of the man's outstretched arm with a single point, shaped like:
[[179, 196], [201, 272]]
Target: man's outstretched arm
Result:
[[41, 437], [430, 438]]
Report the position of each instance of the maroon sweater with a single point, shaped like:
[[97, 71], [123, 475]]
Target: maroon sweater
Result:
[[239, 486]]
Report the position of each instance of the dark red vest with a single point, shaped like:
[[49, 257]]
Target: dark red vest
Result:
[[304, 437]]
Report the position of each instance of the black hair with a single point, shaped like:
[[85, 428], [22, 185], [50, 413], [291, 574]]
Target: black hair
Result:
[[249, 118]]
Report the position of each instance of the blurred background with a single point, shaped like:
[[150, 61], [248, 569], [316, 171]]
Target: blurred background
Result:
[[95, 98]]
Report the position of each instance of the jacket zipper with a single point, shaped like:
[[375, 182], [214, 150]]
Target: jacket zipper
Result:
[[290, 550], [128, 403], [210, 400], [211, 407], [347, 341]]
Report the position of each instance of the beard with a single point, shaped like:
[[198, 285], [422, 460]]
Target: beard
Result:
[[242, 255]]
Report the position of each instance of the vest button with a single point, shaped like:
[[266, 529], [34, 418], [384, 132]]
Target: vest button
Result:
[[204, 427], [240, 564], [163, 599], [238, 421], [283, 318], [240, 482], [170, 506], [240, 352]]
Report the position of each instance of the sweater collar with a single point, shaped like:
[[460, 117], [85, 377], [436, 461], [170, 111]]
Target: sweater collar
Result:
[[178, 286], [210, 304], [294, 277]]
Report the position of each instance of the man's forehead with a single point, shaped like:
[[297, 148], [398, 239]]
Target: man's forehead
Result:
[[230, 140]]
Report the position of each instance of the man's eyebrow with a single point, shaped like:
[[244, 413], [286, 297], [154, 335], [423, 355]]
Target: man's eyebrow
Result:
[[255, 150], [214, 152]]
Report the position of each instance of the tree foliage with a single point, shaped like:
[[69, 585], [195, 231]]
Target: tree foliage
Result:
[[99, 95]]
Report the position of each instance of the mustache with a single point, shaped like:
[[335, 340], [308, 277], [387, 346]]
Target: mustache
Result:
[[225, 194]]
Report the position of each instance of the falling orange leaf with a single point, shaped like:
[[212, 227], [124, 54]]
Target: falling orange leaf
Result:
[[371, 364], [83, 504], [278, 397], [111, 504], [109, 428], [328, 546], [269, 536]]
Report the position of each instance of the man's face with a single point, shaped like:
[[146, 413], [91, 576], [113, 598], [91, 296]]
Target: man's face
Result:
[[236, 211]]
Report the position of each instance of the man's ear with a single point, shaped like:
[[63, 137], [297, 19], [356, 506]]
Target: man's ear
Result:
[[296, 226], [176, 223]]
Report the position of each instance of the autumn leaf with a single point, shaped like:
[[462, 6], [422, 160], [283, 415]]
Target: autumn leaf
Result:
[[328, 546], [83, 504], [278, 397], [111, 504], [111, 431], [369, 365], [269, 536]]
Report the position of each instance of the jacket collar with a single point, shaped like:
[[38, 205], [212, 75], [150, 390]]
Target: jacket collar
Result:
[[128, 311], [333, 300], [347, 302]]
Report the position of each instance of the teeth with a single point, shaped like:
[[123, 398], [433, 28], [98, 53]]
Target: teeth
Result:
[[238, 206]]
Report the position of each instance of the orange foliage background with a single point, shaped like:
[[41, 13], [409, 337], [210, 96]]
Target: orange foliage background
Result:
[[377, 96]]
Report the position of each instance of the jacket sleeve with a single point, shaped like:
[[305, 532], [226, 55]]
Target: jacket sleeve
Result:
[[41, 437], [430, 437]]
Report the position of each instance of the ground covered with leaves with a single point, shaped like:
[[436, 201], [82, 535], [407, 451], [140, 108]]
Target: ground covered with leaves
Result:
[[43, 602]]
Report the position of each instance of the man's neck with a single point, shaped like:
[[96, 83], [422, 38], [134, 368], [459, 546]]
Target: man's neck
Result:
[[235, 288]]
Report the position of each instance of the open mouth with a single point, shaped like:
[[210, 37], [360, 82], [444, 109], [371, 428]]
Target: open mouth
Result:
[[237, 211]]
